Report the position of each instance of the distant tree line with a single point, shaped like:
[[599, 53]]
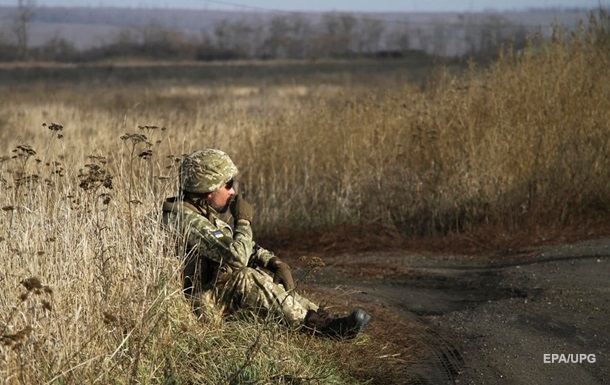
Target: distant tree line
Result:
[[292, 36]]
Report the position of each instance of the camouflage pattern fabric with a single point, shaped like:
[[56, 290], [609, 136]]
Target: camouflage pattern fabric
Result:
[[206, 170], [220, 265], [253, 289]]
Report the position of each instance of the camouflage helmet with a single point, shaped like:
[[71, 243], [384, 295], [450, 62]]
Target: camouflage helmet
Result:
[[206, 170]]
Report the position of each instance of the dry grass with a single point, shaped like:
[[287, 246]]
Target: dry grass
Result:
[[90, 291], [521, 144]]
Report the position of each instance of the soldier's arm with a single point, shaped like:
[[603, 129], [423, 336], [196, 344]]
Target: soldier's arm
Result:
[[263, 257], [212, 243]]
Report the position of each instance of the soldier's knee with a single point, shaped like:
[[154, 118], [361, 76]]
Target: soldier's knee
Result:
[[249, 277], [244, 271], [245, 274]]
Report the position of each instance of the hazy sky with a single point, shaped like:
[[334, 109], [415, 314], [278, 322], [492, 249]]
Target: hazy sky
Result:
[[330, 5]]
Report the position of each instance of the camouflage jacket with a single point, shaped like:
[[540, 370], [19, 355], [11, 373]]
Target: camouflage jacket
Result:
[[204, 234]]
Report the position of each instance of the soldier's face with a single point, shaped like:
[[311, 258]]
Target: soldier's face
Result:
[[221, 198]]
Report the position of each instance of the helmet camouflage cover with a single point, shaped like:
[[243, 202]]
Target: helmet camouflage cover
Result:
[[206, 170]]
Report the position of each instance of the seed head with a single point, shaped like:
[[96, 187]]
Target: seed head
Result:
[[16, 339], [53, 126], [31, 283]]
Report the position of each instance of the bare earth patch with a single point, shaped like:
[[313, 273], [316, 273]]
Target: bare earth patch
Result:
[[456, 319]]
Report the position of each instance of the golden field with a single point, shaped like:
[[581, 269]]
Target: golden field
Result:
[[91, 292]]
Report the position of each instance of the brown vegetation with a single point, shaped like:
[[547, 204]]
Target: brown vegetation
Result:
[[90, 290]]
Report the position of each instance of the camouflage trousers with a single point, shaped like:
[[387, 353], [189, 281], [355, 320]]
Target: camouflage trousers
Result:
[[254, 290]]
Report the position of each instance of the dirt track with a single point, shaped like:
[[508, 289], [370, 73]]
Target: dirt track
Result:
[[488, 322]]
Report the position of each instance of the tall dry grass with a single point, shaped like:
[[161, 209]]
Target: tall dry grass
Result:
[[520, 144], [90, 289]]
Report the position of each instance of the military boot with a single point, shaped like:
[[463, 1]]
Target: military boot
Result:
[[323, 323]]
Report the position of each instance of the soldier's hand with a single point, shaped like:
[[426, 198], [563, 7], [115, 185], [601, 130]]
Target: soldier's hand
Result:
[[282, 274], [241, 209]]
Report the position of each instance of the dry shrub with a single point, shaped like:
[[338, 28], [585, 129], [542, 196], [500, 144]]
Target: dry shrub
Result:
[[524, 142]]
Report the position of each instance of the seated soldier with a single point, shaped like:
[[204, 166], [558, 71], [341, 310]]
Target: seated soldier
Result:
[[222, 264]]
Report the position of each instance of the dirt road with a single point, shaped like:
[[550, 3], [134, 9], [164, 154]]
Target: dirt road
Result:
[[510, 320]]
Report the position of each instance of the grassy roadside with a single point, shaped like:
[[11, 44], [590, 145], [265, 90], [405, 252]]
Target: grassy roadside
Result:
[[90, 289], [521, 144]]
